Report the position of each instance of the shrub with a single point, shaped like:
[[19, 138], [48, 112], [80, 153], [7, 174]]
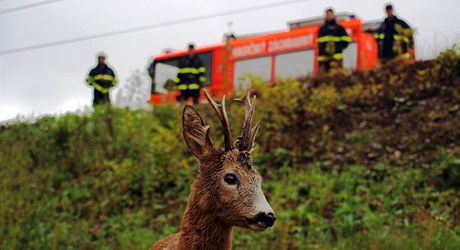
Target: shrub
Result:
[[362, 161]]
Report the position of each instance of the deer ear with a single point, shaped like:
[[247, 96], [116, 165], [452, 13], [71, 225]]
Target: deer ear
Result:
[[196, 133]]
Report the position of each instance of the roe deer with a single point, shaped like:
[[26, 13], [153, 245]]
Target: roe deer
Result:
[[227, 191]]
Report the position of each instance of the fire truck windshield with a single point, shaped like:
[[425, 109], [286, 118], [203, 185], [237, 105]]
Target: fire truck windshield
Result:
[[350, 56], [166, 71]]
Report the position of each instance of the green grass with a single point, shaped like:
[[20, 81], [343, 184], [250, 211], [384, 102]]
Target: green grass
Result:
[[67, 188]]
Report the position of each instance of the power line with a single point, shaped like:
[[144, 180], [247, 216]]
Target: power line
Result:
[[148, 27], [27, 6]]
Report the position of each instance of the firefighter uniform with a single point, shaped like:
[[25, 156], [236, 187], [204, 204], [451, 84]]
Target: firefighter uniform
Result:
[[394, 38], [190, 78], [332, 40], [102, 79]]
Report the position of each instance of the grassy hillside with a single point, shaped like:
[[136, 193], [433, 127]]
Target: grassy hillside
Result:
[[363, 161]]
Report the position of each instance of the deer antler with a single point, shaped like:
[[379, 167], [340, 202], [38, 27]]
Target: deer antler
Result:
[[220, 109], [246, 140]]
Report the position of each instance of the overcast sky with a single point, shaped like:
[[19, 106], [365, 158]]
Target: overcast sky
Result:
[[51, 80]]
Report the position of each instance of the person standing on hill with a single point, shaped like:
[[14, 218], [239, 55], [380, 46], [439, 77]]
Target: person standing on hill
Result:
[[102, 78], [191, 76], [394, 36], [332, 40]]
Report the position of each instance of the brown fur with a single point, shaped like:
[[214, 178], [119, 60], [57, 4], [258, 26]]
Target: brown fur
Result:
[[214, 206]]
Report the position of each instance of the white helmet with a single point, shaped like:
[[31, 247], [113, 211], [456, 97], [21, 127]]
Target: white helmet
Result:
[[101, 54]]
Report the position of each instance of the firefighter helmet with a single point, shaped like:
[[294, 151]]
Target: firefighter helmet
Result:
[[101, 54]]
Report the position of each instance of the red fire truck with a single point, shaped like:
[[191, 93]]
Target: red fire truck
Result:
[[291, 53]]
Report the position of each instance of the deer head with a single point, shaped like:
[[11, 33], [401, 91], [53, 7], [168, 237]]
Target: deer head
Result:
[[228, 187]]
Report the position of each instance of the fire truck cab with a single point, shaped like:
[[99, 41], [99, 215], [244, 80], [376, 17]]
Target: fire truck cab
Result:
[[291, 53]]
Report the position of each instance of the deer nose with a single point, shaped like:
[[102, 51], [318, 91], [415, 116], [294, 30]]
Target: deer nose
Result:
[[267, 218]]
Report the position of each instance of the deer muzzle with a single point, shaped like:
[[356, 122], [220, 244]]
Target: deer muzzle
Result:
[[265, 217]]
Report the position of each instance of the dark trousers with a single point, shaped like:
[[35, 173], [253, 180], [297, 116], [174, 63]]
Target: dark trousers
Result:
[[186, 94], [326, 66], [392, 49], [100, 98]]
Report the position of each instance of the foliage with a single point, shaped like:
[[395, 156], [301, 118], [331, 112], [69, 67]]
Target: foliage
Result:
[[363, 161], [136, 93]]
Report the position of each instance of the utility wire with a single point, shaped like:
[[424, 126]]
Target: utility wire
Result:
[[27, 6], [148, 27]]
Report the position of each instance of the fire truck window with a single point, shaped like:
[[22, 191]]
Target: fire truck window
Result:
[[295, 64], [206, 58], [166, 71], [164, 76], [350, 56], [258, 66]]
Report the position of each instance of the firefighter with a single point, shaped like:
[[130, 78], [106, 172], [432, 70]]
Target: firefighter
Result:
[[102, 78], [191, 76], [394, 36], [332, 40]]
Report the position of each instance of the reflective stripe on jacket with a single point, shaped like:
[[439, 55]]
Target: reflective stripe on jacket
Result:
[[324, 39], [192, 86], [336, 56]]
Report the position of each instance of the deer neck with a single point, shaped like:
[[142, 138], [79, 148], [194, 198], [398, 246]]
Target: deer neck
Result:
[[200, 227]]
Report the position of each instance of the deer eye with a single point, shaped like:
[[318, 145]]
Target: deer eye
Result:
[[230, 179]]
